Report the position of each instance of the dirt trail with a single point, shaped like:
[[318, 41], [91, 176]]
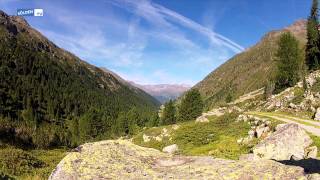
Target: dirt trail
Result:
[[313, 128]]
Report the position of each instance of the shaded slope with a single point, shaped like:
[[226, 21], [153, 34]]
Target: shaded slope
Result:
[[42, 85]]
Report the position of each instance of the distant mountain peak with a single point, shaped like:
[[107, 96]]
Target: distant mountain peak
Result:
[[163, 92]]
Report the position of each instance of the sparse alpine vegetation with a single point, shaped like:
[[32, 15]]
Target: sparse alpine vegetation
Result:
[[247, 71]]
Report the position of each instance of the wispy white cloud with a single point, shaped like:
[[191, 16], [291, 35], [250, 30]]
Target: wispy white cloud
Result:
[[160, 15], [86, 36], [123, 44], [160, 76]]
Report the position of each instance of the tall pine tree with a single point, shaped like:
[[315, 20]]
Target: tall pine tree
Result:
[[289, 62], [312, 47], [191, 106], [169, 114]]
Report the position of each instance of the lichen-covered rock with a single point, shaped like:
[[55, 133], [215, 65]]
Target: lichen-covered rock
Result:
[[317, 115], [279, 126], [123, 160], [146, 138], [262, 129], [288, 142], [170, 149], [175, 127], [246, 157], [201, 119], [311, 152]]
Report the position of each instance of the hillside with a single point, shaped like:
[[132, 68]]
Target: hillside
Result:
[[163, 92], [51, 97], [247, 71]]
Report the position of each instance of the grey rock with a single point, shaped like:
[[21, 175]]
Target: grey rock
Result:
[[246, 157], [170, 149], [317, 114], [202, 119], [287, 142]]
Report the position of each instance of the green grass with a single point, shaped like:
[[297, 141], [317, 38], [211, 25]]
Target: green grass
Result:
[[316, 142], [298, 93], [300, 114], [217, 137], [29, 164]]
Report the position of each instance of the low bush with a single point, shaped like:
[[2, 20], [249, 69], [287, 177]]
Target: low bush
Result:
[[316, 142], [4, 176], [298, 93], [18, 162]]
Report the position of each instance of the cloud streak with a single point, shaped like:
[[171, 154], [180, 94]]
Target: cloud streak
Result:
[[160, 15], [140, 40]]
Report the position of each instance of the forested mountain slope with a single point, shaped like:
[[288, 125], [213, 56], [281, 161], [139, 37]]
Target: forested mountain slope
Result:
[[247, 71], [49, 97]]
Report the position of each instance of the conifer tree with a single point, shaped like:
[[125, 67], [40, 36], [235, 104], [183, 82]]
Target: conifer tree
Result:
[[169, 113], [312, 46], [154, 120], [289, 62], [191, 106]]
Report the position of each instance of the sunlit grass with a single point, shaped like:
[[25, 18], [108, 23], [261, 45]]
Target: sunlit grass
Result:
[[217, 137]]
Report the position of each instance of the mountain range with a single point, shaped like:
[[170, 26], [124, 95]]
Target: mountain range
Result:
[[163, 92]]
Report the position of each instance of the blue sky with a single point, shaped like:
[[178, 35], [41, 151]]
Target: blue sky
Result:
[[159, 41]]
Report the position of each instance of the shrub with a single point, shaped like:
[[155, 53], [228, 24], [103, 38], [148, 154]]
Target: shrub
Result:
[[195, 135], [17, 162], [45, 136], [4, 176], [298, 93]]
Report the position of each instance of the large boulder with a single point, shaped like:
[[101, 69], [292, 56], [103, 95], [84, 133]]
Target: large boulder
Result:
[[317, 114], [123, 160], [288, 142]]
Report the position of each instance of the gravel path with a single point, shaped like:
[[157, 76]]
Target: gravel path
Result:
[[310, 128]]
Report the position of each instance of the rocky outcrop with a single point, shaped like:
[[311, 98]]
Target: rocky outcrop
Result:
[[288, 142], [284, 100], [260, 128], [123, 160]]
